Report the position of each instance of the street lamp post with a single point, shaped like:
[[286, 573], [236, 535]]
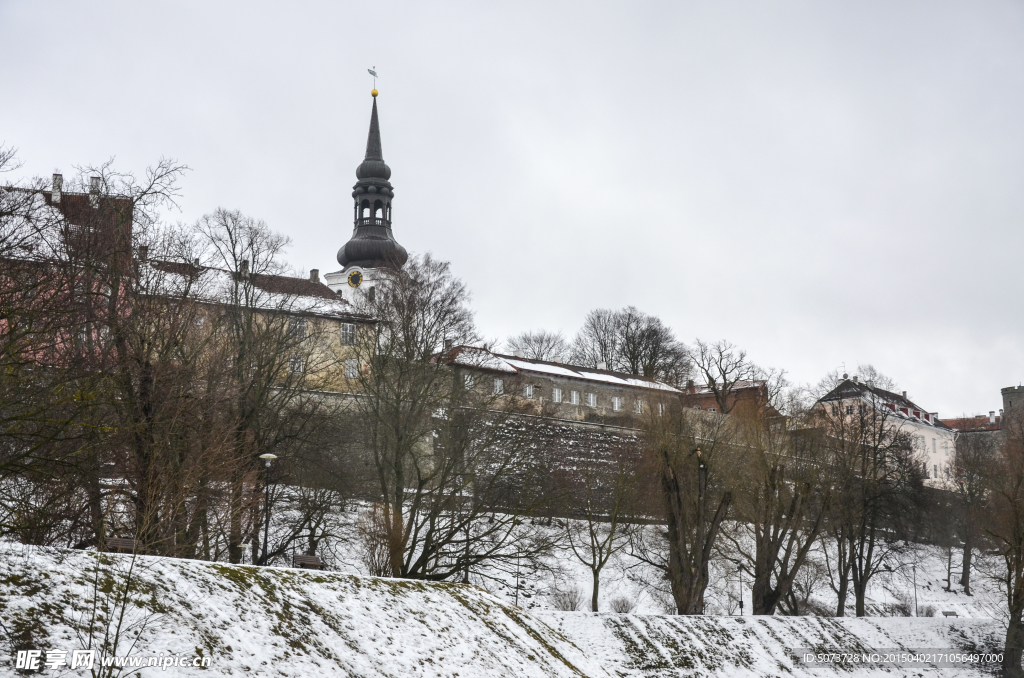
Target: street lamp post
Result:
[[267, 458], [739, 571]]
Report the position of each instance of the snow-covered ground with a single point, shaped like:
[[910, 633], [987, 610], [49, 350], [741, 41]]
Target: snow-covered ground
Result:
[[282, 622], [890, 593]]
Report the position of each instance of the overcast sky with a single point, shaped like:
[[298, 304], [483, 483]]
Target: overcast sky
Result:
[[821, 183]]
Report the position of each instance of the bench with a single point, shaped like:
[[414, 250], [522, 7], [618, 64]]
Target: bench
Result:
[[120, 545], [947, 613], [304, 562]]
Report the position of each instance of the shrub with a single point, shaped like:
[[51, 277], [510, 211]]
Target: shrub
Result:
[[567, 600]]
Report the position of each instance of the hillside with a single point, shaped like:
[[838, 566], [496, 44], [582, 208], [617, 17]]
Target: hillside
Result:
[[281, 622]]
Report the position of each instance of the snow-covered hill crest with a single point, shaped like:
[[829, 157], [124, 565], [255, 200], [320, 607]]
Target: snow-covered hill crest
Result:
[[282, 622]]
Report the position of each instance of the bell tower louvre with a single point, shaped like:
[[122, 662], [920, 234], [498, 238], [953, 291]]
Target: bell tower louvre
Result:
[[372, 246]]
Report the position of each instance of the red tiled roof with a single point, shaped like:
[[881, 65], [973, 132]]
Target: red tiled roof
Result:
[[980, 422]]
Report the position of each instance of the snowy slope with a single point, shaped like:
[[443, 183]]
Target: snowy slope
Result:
[[658, 646], [275, 621], [281, 622]]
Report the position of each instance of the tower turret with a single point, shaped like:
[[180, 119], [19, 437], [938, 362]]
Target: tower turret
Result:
[[372, 245]]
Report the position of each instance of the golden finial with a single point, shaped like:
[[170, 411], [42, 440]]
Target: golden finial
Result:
[[373, 72]]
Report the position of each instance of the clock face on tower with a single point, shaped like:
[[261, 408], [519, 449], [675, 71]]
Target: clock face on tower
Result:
[[355, 279]]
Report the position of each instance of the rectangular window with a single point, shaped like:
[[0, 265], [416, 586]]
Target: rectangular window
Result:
[[639, 407], [351, 368], [862, 409], [528, 391], [556, 395], [592, 399], [499, 387], [936, 470], [945, 447], [934, 451], [574, 397], [468, 379], [849, 409], [348, 333], [297, 328], [295, 363], [661, 409], [616, 403]]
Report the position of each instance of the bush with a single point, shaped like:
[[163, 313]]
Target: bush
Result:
[[903, 607], [568, 600], [623, 605]]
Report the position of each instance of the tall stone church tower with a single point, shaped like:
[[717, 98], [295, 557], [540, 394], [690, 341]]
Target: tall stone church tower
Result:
[[372, 246]]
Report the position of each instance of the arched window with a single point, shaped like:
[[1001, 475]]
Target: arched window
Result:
[[378, 209], [366, 208]]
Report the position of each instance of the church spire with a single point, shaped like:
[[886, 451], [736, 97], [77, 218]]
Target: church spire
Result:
[[372, 244], [373, 165], [373, 150]]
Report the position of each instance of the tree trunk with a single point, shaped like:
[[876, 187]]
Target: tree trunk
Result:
[[99, 524], [844, 590], [761, 597], [1014, 648], [860, 591], [597, 586], [965, 576], [235, 531], [949, 568]]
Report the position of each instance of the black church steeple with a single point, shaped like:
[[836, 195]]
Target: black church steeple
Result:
[[372, 244]]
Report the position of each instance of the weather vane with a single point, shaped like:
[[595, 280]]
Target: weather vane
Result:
[[373, 72]]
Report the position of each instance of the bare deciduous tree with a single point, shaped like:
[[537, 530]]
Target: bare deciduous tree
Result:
[[690, 460], [1004, 523], [452, 461], [633, 342], [973, 455], [600, 495], [540, 345], [783, 489], [877, 477]]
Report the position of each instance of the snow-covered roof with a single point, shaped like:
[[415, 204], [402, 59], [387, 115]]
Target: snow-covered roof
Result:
[[472, 356], [901, 406], [272, 292]]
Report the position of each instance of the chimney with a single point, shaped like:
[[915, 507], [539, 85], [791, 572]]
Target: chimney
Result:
[[557, 358], [243, 269], [689, 386], [58, 185], [448, 343], [904, 394], [992, 416], [143, 252], [314, 275], [856, 379], [94, 192], [519, 354], [602, 365]]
